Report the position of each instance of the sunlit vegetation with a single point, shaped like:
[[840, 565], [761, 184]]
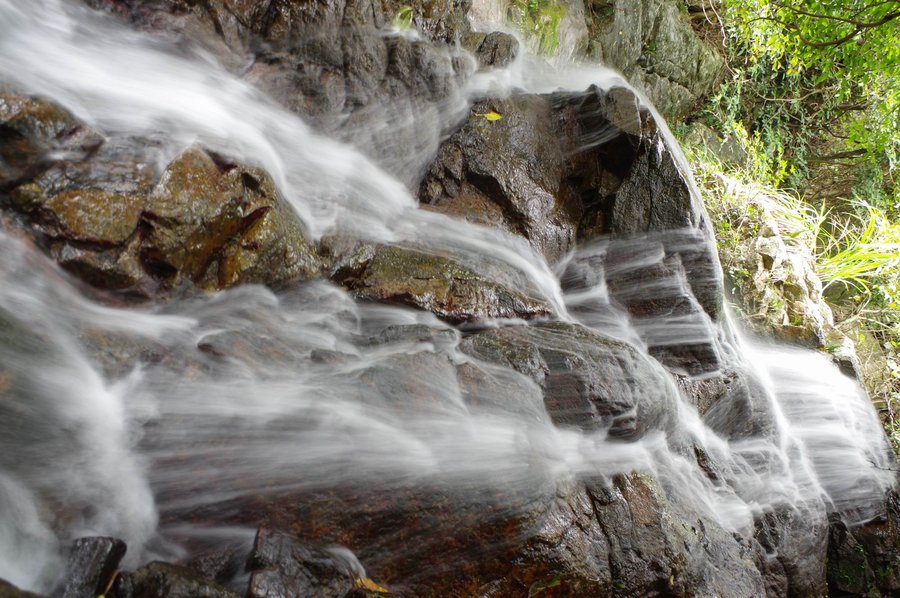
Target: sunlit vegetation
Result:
[[817, 83], [855, 252], [539, 21]]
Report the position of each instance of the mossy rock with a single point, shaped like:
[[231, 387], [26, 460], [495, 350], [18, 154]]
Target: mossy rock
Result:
[[439, 284]]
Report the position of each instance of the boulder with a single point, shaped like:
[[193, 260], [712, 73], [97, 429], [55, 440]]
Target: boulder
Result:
[[162, 580], [107, 216], [509, 173], [220, 224], [441, 285], [281, 565], [569, 166], [91, 566], [588, 379]]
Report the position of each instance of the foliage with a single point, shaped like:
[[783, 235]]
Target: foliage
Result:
[[860, 252], [817, 81], [403, 19], [743, 202], [856, 254], [539, 21]]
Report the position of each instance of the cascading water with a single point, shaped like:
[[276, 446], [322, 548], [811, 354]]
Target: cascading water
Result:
[[116, 419]]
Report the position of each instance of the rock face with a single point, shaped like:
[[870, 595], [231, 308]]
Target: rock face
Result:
[[652, 43], [863, 561], [105, 215], [334, 63]]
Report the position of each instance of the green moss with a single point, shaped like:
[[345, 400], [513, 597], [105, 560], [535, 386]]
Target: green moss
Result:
[[544, 584], [539, 22]]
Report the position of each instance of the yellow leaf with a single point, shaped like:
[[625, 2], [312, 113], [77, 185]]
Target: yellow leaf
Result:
[[491, 116], [367, 584]]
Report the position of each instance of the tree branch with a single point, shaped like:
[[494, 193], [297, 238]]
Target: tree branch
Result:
[[849, 20], [858, 26], [839, 155]]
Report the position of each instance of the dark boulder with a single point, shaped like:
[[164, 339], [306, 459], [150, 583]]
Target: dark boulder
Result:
[[864, 559], [221, 224], [162, 580], [29, 129], [509, 173], [91, 566], [569, 166], [281, 565]]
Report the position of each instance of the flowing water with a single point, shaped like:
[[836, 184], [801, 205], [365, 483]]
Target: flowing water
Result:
[[112, 420]]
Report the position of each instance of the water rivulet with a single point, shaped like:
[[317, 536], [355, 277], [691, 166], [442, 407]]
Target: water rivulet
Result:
[[295, 302]]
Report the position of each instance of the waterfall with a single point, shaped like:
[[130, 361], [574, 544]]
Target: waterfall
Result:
[[127, 421]]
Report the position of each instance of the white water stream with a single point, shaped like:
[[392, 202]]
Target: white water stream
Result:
[[92, 448]]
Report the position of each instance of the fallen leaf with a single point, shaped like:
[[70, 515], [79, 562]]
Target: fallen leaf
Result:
[[492, 116], [367, 584]]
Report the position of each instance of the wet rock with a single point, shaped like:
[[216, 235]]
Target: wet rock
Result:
[[91, 566], [508, 172], [661, 286], [652, 553], [588, 380], [7, 590], [657, 294], [441, 285], [218, 225], [162, 580], [341, 65], [572, 166], [29, 129], [495, 49], [794, 540], [865, 559], [283, 566], [221, 564], [108, 217], [849, 572], [654, 196]]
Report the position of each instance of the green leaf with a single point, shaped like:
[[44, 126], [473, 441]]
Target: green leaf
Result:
[[403, 18]]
